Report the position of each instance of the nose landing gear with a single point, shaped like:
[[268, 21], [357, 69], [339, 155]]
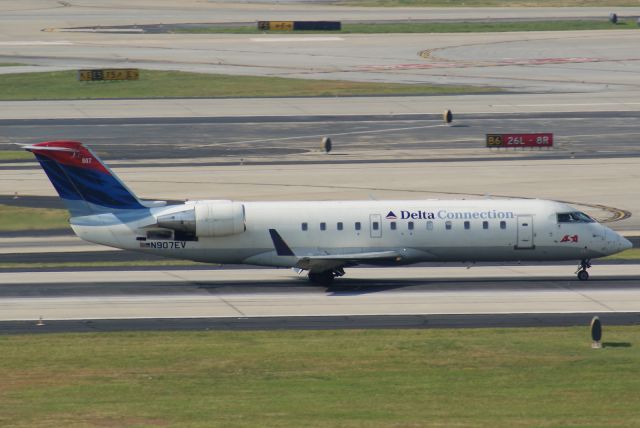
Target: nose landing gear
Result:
[[585, 264]]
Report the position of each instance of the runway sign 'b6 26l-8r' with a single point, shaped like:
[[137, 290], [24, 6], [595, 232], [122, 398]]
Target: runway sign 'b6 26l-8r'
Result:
[[520, 140]]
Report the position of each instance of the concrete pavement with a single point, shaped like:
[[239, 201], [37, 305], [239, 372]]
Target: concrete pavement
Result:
[[225, 107], [364, 291]]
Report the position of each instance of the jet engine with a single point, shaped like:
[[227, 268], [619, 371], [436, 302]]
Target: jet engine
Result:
[[207, 219]]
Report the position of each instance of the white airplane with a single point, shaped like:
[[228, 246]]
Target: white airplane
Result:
[[319, 237]]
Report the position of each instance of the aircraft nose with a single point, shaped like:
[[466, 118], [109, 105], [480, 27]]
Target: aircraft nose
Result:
[[625, 244]]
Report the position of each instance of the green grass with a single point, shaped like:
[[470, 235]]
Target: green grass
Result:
[[14, 155], [488, 3], [375, 378], [158, 84], [435, 27], [23, 218], [631, 254], [484, 27], [10, 64]]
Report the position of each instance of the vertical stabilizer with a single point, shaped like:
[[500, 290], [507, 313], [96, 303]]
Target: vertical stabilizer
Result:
[[86, 185]]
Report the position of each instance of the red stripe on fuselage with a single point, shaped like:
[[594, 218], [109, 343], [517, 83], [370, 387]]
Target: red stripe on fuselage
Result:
[[79, 157]]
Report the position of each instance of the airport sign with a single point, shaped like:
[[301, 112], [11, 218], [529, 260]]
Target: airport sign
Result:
[[520, 140], [108, 74]]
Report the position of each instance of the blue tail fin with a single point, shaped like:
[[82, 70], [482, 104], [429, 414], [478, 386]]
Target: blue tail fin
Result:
[[86, 185]]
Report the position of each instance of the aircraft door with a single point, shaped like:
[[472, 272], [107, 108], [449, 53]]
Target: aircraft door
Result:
[[375, 225], [525, 232]]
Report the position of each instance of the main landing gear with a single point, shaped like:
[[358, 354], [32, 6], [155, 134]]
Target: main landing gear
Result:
[[583, 275], [325, 277]]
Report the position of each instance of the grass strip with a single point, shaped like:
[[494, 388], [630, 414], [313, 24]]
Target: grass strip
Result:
[[160, 84], [630, 254], [432, 27], [15, 155], [346, 378], [14, 218], [486, 3]]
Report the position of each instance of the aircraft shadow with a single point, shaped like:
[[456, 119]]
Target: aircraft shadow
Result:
[[616, 345], [354, 287]]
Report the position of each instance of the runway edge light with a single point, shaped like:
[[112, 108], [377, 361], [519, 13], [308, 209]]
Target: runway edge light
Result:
[[326, 145], [596, 333], [447, 116]]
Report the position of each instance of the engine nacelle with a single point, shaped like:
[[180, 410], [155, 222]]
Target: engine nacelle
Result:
[[207, 219], [219, 218]]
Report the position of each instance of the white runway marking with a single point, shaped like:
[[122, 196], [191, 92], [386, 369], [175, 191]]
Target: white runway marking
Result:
[[296, 39], [34, 43]]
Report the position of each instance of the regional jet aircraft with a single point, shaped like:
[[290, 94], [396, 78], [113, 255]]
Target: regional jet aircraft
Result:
[[322, 238]]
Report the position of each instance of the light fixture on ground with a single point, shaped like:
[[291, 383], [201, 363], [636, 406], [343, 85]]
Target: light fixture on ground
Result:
[[447, 116], [596, 333], [326, 145]]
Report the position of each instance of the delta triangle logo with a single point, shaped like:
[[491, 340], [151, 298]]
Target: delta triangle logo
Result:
[[391, 216]]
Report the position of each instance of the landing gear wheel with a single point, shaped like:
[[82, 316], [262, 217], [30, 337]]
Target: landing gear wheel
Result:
[[585, 264], [583, 275], [322, 278]]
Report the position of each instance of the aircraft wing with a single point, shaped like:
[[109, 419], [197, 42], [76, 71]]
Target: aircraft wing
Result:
[[331, 261], [319, 262]]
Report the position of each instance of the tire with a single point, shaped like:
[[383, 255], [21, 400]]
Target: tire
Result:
[[583, 275], [321, 278]]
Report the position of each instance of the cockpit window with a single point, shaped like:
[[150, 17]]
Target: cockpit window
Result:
[[574, 217]]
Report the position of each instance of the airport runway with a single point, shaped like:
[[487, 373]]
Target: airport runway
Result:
[[441, 293], [355, 137]]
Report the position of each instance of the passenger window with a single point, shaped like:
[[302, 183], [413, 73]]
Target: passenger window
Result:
[[358, 225], [485, 225], [447, 225], [339, 225], [503, 225], [305, 226], [323, 226], [393, 225], [429, 225], [410, 225], [375, 225], [467, 225]]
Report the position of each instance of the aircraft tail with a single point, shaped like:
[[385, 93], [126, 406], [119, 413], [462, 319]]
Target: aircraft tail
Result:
[[86, 185]]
